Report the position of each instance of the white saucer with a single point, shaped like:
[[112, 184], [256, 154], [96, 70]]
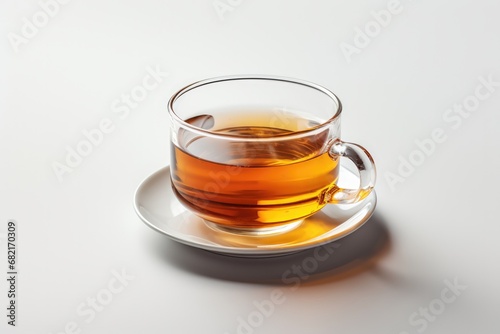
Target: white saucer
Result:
[[158, 207]]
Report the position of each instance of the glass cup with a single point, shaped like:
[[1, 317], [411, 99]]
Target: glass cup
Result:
[[257, 155]]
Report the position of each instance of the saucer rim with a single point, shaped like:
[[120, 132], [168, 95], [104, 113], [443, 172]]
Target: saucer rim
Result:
[[250, 252]]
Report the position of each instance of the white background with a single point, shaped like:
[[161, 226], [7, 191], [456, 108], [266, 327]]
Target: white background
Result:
[[439, 224]]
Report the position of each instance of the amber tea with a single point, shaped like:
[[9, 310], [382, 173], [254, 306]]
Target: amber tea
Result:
[[269, 180]]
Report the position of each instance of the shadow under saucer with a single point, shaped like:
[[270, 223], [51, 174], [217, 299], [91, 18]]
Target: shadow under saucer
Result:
[[342, 258]]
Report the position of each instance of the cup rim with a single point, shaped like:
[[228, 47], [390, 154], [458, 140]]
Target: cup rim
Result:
[[205, 132]]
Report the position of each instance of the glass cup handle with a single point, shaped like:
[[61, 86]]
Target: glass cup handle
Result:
[[366, 168]]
